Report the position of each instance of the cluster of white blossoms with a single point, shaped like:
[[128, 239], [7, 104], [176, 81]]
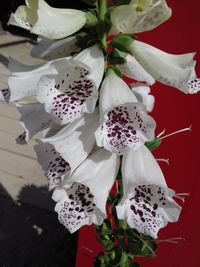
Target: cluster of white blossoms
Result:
[[93, 121]]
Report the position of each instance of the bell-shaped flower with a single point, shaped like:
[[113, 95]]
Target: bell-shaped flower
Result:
[[73, 90], [34, 119], [62, 153], [54, 23], [140, 15], [23, 79], [133, 70], [147, 204], [50, 49], [142, 93], [173, 70], [82, 201], [124, 122]]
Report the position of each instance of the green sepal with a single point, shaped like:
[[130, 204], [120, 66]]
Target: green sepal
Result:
[[117, 57], [92, 19], [85, 40], [121, 2], [122, 42], [115, 69], [148, 249], [151, 145]]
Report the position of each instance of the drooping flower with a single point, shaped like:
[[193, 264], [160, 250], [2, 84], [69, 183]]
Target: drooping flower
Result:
[[82, 201], [49, 49], [142, 92], [147, 204], [23, 79], [73, 90], [140, 15], [54, 23], [133, 70], [68, 148], [173, 70], [124, 122]]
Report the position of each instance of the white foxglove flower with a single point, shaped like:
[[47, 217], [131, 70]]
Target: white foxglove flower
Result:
[[147, 204], [54, 166], [74, 89], [54, 23], [133, 70], [142, 93], [73, 143], [34, 119], [69, 147], [83, 200], [124, 122], [173, 70], [140, 15], [49, 49], [24, 79]]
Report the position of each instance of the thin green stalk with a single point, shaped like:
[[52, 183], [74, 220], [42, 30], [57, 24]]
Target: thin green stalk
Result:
[[102, 7]]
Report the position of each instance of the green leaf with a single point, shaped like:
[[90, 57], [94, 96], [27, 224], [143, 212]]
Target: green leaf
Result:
[[124, 260], [151, 145], [122, 42], [121, 2], [117, 57]]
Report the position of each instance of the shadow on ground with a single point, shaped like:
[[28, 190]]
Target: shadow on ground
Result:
[[33, 237]]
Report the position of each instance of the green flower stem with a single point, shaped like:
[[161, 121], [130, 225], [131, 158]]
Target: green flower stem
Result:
[[101, 16]]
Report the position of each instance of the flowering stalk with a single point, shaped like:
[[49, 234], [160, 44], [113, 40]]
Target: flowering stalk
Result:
[[102, 10]]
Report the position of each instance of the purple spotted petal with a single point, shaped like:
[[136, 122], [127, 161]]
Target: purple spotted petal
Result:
[[126, 126], [68, 94], [149, 208], [77, 208], [5, 95], [194, 86], [54, 166]]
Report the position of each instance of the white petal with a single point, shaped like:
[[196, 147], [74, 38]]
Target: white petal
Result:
[[49, 49], [85, 200], [142, 92], [193, 85], [140, 16], [5, 95], [53, 23], [53, 165], [69, 93], [124, 122], [132, 69], [23, 17], [33, 119], [93, 57], [24, 79], [64, 22], [172, 70], [114, 92], [147, 203], [76, 140]]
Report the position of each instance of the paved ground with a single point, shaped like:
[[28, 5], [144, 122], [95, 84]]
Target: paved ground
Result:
[[30, 234]]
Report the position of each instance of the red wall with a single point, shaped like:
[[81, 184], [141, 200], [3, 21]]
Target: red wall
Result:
[[173, 110]]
